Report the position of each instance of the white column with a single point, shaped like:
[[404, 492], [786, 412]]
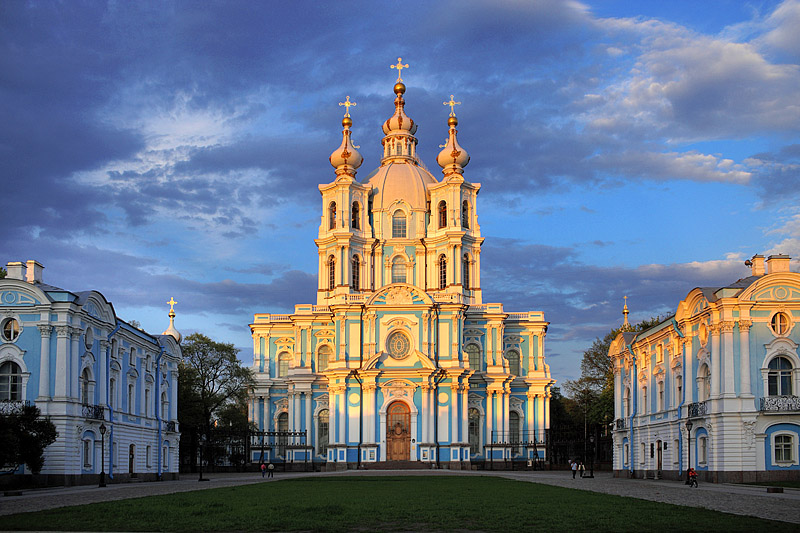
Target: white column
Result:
[[73, 364], [618, 392], [425, 412], [489, 414], [44, 361], [727, 346], [296, 411], [173, 390], [464, 413], [433, 403], [454, 433], [540, 420], [716, 374], [308, 417], [343, 415], [530, 415], [688, 373], [744, 357], [62, 334], [546, 412], [506, 412]]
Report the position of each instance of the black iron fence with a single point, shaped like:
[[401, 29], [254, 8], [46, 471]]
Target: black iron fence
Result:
[[697, 409], [169, 426], [10, 407]]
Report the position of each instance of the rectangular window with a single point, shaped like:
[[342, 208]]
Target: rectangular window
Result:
[[626, 454], [702, 445], [148, 454], [87, 455], [660, 395], [783, 448], [165, 457], [675, 452], [643, 457]]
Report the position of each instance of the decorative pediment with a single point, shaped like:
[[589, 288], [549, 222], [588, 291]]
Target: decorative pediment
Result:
[[324, 333], [285, 342], [398, 388], [283, 403], [17, 298], [400, 294], [475, 400], [515, 403], [472, 332], [512, 339], [415, 359], [399, 323]]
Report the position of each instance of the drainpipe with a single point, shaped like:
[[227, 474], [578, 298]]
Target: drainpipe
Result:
[[108, 402], [158, 408]]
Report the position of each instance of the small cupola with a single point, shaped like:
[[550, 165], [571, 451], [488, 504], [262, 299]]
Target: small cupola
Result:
[[453, 158], [346, 158], [171, 329]]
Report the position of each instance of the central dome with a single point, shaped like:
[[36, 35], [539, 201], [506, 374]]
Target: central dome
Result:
[[400, 181]]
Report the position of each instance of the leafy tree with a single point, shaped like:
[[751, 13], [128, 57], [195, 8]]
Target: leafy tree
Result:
[[24, 437], [3, 273], [212, 384]]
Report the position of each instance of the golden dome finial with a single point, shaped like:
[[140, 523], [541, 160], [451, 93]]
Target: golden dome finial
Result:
[[625, 312], [399, 66]]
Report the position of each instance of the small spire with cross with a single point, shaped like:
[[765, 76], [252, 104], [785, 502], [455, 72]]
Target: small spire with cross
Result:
[[399, 66], [347, 104], [452, 103], [625, 313], [171, 303]]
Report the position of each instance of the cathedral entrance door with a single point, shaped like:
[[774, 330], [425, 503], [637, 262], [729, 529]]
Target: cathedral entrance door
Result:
[[398, 432]]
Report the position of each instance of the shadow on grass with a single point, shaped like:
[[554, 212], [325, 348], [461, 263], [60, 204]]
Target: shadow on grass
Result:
[[387, 504]]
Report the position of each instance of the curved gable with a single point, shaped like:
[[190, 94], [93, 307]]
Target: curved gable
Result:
[[21, 293], [96, 306], [400, 294], [780, 287]]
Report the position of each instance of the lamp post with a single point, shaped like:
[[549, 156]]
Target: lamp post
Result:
[[102, 455], [202, 442], [689, 448], [591, 464]]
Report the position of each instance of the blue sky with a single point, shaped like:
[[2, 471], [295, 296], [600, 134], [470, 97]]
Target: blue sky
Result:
[[173, 149]]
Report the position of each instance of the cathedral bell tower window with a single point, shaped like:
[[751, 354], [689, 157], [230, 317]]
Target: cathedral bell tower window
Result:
[[465, 214], [465, 273], [332, 215], [442, 272], [355, 279], [398, 270], [356, 214], [331, 273], [442, 214]]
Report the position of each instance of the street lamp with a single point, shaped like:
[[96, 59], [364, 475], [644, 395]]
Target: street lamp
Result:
[[591, 464], [689, 448], [202, 442], [102, 455]]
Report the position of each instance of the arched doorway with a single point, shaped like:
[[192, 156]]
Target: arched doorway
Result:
[[398, 432]]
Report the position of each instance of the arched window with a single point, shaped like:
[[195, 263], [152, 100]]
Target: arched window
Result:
[[626, 402], [355, 277], [10, 382], [85, 379], [474, 356], [678, 390], [331, 273], [442, 214], [465, 271], [513, 362], [146, 410], [661, 404], [474, 431], [779, 380], [130, 398], [332, 215], [399, 225], [112, 392], [283, 364], [398, 270], [704, 383], [355, 223], [322, 432], [442, 272], [164, 406], [283, 422], [465, 214], [780, 324], [644, 400], [323, 356]]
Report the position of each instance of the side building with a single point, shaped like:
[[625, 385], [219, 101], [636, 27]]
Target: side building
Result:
[[104, 384], [400, 359], [715, 386]]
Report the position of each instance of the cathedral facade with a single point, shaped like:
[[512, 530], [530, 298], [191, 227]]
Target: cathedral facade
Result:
[[400, 359], [714, 387]]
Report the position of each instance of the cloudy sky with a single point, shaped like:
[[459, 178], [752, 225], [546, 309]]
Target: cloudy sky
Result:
[[173, 149]]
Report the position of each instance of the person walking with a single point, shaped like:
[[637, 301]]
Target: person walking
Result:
[[581, 468], [263, 470], [574, 468], [270, 469], [692, 477]]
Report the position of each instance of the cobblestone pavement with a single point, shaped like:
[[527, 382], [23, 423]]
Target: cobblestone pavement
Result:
[[728, 498]]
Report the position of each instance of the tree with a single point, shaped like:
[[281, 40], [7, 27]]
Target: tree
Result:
[[25, 435], [212, 383], [3, 273]]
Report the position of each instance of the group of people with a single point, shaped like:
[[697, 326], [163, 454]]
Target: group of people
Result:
[[576, 467], [267, 469]]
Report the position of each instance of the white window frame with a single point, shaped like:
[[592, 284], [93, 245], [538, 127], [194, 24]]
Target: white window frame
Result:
[[702, 450], [793, 444]]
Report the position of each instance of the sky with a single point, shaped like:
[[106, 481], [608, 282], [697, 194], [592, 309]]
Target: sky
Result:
[[151, 150]]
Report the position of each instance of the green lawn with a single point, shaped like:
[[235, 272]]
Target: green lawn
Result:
[[388, 503], [785, 484]]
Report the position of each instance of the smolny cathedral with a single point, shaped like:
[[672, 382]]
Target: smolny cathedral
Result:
[[400, 359]]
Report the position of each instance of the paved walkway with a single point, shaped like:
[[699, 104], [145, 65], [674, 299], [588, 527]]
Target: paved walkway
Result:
[[728, 498]]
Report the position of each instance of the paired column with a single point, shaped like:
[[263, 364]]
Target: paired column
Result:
[[489, 415], [727, 353], [62, 334], [425, 412], [716, 375], [74, 363], [44, 361], [454, 411], [744, 357]]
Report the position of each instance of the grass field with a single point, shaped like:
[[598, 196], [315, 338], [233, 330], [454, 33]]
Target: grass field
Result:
[[387, 504]]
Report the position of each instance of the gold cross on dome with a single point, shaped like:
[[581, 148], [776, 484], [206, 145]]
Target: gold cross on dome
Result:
[[399, 66], [452, 103], [347, 104], [171, 302]]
